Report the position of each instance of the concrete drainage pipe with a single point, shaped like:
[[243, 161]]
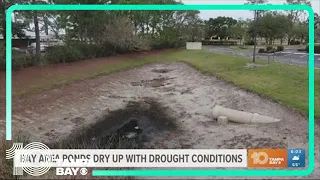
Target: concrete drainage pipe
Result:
[[241, 117]]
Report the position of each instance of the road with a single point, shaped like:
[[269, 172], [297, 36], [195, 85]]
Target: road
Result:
[[290, 56]]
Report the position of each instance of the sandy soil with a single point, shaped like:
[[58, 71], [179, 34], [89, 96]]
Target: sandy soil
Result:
[[189, 96]]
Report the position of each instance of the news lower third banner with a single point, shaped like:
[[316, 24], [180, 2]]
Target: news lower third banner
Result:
[[36, 158], [131, 158]]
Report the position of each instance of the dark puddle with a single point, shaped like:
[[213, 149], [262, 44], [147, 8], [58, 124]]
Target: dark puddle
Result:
[[161, 70], [130, 127]]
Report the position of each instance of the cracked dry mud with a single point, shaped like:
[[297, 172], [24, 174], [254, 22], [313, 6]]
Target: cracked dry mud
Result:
[[188, 95]]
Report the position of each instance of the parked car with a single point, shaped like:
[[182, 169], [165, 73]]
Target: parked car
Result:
[[16, 50], [32, 48]]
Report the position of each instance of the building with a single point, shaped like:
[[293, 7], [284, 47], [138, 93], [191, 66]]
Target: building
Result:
[[48, 40]]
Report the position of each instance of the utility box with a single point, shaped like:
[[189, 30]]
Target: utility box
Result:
[[194, 45]]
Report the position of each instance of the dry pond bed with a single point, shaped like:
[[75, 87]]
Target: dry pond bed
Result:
[[171, 105]]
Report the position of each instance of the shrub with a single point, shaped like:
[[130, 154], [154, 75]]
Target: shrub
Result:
[[163, 42], [59, 54], [269, 48], [94, 50], [316, 49], [76, 51], [118, 33], [261, 50], [2, 56], [250, 42], [272, 51], [280, 48], [294, 42], [220, 43], [20, 61]]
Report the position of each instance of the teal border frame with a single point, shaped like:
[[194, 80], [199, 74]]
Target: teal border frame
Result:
[[92, 7]]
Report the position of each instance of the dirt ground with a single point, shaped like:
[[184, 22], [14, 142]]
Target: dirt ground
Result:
[[188, 95]]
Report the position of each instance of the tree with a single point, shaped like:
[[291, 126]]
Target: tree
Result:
[[257, 1], [33, 19], [282, 26], [256, 17], [317, 26], [220, 26], [120, 34], [37, 33], [239, 30], [258, 12], [17, 27], [273, 25], [195, 29], [295, 15], [300, 31]]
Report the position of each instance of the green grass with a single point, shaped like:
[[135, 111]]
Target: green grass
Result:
[[283, 83]]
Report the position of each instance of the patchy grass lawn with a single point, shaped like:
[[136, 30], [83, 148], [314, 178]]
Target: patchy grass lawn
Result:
[[284, 83]]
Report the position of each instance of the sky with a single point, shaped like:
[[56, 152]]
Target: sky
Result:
[[238, 14]]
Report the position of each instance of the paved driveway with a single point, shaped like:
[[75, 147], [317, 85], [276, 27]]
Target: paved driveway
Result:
[[288, 56]]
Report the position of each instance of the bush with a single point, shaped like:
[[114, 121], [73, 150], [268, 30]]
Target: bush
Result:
[[261, 50], [95, 50], [272, 50], [280, 48], [250, 42], [316, 49], [19, 59], [269, 48], [59, 54], [294, 42], [119, 34], [2, 56], [162, 43], [220, 43], [76, 51]]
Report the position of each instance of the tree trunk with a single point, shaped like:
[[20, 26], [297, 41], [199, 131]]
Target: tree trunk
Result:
[[46, 27], [86, 35], [135, 28], [281, 40], [289, 39], [270, 41], [37, 33], [153, 28], [3, 12], [267, 40], [142, 28]]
